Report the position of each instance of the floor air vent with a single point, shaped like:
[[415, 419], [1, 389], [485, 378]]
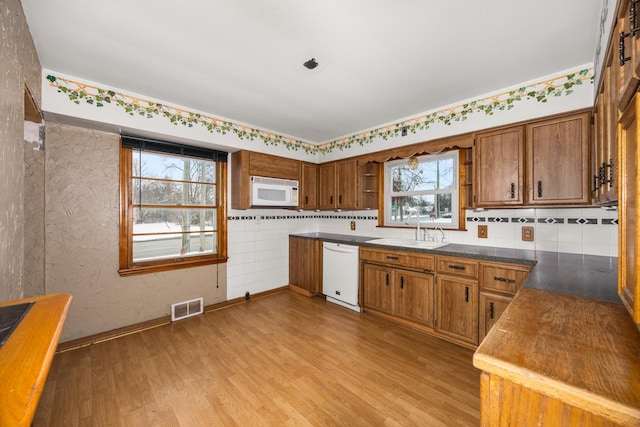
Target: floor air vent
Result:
[[184, 309]]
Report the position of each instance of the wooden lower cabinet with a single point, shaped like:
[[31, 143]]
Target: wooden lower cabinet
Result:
[[305, 265], [457, 308], [414, 296], [499, 282], [491, 308], [377, 289], [521, 406], [455, 298], [397, 292]]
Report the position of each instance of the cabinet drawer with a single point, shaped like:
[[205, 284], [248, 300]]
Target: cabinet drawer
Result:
[[400, 258], [502, 278], [457, 266]]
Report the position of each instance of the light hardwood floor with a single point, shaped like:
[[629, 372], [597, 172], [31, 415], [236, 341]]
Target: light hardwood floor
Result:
[[279, 360]]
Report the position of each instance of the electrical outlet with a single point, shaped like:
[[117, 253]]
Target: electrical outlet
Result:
[[527, 234], [353, 225], [483, 232]]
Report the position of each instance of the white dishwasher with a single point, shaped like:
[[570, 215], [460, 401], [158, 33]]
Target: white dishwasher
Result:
[[340, 274]]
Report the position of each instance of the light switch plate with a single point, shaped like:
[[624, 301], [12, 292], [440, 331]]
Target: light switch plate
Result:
[[483, 232], [527, 234]]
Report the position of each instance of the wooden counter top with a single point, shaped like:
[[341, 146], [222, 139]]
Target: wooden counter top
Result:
[[26, 357], [582, 352]]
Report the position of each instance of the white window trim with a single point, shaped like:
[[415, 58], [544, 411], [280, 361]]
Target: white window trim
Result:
[[455, 191]]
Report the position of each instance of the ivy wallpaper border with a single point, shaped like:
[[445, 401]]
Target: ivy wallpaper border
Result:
[[78, 92]]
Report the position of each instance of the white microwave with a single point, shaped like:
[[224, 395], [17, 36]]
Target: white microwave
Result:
[[273, 192]]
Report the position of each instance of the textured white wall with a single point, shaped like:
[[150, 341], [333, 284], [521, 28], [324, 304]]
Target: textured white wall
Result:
[[19, 65], [82, 247]]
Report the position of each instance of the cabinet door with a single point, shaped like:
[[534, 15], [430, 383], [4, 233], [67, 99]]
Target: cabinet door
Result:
[[499, 167], [414, 296], [628, 57], [558, 161], [377, 287], [491, 308], [609, 160], [457, 308], [629, 205], [305, 264], [347, 184], [273, 166], [327, 186], [309, 187]]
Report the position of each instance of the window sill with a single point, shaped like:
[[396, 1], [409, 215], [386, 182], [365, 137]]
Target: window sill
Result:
[[136, 270]]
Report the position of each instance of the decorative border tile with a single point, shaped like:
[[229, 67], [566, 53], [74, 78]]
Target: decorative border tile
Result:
[[550, 220], [475, 219], [609, 221], [523, 220], [558, 86], [498, 219], [582, 221], [310, 216]]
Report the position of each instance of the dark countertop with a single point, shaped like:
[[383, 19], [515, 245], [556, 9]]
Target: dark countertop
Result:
[[581, 275]]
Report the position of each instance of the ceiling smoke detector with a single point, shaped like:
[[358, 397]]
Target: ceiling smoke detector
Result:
[[311, 64]]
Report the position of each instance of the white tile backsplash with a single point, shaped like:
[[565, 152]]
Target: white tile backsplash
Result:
[[259, 238]]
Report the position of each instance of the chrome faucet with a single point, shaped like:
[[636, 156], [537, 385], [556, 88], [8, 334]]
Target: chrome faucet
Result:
[[413, 212], [428, 237]]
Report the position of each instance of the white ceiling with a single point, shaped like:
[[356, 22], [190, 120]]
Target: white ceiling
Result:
[[380, 60]]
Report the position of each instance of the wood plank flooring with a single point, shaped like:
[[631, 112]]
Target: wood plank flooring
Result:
[[284, 359]]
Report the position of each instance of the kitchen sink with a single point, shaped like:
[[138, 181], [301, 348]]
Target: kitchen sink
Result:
[[409, 243]]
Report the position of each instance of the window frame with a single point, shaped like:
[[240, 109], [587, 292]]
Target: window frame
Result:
[[127, 266], [456, 198]]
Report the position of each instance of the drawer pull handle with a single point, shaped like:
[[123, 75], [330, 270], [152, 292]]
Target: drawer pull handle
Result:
[[395, 258], [401, 282], [490, 310], [539, 188], [513, 190], [331, 200], [503, 279], [387, 279], [466, 294], [340, 199], [457, 267]]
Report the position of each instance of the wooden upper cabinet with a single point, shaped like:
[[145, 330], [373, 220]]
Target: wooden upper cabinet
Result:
[[347, 184], [309, 186], [368, 185], [338, 185], [327, 186], [273, 166], [604, 178], [558, 160], [245, 164], [499, 167], [628, 55]]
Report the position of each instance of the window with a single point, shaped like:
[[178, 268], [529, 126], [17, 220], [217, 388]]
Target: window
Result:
[[172, 200], [430, 190]]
